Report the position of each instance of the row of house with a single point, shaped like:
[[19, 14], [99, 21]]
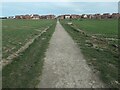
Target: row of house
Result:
[[32, 16], [91, 16], [66, 16], [35, 16]]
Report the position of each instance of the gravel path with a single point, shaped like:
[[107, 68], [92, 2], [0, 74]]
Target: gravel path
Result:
[[65, 66]]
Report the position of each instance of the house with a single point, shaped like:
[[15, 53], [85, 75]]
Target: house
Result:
[[93, 16], [43, 17], [26, 17], [115, 15], [67, 16], [84, 16], [11, 17], [47, 17], [89, 16], [61, 17], [18, 17], [22, 17], [106, 16], [50, 16], [74, 16], [97, 16], [35, 16]]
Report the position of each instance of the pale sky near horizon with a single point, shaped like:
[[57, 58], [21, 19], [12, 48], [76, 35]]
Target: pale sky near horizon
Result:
[[57, 8], [59, 0]]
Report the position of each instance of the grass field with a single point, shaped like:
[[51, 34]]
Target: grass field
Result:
[[15, 33], [105, 27], [25, 70], [100, 54]]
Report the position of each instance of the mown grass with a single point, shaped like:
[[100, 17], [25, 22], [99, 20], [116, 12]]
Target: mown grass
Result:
[[25, 70], [108, 28], [15, 33], [104, 60]]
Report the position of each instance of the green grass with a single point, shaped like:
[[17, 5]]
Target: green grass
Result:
[[25, 70], [104, 60], [92, 26], [15, 33]]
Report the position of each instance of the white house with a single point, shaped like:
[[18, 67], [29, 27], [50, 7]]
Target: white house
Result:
[[85, 16], [67, 16]]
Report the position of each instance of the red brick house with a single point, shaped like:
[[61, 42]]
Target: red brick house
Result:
[[18, 16], [50, 16], [26, 17], [61, 17], [47, 17], [43, 17]]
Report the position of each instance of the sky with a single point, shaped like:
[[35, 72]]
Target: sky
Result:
[[57, 8], [59, 0]]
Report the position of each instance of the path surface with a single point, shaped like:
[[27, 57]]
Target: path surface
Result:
[[64, 65]]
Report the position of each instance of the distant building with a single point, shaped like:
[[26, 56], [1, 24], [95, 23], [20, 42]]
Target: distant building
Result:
[[89, 16], [50, 16], [97, 16], [26, 17], [61, 17], [35, 16], [74, 16], [105, 16], [67, 16], [43, 17], [19, 17], [11, 17], [84, 16], [115, 15]]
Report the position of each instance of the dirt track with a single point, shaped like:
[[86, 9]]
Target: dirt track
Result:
[[65, 66]]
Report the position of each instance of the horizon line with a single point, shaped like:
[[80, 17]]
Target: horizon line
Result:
[[60, 1], [61, 14]]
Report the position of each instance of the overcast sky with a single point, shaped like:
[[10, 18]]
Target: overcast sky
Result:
[[57, 8], [59, 0]]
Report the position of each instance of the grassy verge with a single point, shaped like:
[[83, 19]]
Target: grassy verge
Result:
[[17, 33], [103, 59], [105, 27], [25, 70]]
